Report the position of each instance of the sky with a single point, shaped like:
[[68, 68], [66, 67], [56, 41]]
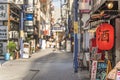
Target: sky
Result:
[[57, 13], [56, 3]]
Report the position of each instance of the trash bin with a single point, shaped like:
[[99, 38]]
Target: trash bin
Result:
[[7, 56]]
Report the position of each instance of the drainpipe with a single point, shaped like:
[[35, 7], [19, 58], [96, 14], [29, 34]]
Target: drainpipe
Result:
[[75, 36]]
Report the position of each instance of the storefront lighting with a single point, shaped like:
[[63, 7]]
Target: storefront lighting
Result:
[[110, 5], [102, 13]]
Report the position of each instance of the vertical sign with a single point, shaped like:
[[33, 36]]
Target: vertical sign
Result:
[[3, 12], [75, 27], [3, 32], [84, 6], [30, 6], [93, 70]]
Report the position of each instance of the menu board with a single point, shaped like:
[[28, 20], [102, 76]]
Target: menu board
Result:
[[101, 70]]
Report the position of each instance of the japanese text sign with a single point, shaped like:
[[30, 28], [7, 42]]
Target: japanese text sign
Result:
[[93, 71], [3, 33], [76, 27], [3, 12], [105, 36]]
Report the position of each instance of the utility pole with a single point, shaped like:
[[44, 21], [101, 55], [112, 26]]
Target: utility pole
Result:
[[21, 31], [75, 35]]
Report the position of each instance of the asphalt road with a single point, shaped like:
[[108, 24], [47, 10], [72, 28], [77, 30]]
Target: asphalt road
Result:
[[43, 65], [57, 65]]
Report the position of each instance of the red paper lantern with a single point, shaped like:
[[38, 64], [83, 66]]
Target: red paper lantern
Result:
[[105, 36]]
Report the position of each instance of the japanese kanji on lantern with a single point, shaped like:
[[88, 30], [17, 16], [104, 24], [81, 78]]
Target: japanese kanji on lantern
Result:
[[105, 36]]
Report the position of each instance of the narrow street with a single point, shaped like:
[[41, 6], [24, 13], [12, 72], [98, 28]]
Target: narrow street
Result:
[[43, 65]]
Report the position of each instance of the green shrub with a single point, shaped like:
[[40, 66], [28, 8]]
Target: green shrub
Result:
[[11, 46]]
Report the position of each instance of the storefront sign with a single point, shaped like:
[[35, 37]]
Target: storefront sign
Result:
[[29, 17], [101, 70], [3, 32], [105, 36], [58, 29], [84, 6], [46, 32], [30, 6], [3, 12], [28, 23], [93, 70]]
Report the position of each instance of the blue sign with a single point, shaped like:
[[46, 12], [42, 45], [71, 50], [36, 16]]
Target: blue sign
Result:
[[101, 71], [29, 17]]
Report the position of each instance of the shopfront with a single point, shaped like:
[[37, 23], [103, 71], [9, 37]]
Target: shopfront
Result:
[[105, 44]]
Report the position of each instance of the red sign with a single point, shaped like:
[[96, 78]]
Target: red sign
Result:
[[105, 36], [46, 32], [92, 43]]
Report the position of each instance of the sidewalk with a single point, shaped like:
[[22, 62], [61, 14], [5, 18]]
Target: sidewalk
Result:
[[26, 69]]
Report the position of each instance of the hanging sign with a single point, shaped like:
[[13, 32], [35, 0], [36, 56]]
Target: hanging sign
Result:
[[75, 27], [105, 36]]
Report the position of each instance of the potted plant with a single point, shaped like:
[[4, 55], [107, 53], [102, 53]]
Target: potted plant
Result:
[[11, 47]]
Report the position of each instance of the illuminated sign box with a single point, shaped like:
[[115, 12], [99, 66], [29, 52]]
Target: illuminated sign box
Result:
[[29, 17], [28, 23]]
